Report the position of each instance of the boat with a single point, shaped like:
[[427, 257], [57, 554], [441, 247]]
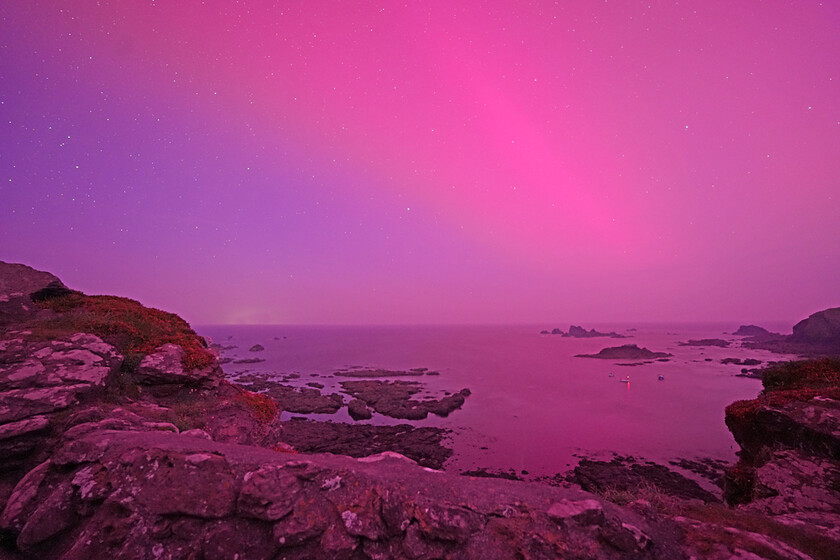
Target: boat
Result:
[[626, 379], [661, 378]]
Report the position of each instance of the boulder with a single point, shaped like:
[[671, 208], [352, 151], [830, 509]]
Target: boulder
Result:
[[165, 367], [17, 284]]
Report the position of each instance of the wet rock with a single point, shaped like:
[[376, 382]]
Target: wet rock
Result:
[[249, 361], [358, 410], [740, 362], [394, 399], [423, 445], [625, 474], [256, 348], [305, 400], [719, 342], [380, 373]]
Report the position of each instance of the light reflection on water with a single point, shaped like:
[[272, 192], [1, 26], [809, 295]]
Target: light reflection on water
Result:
[[534, 406]]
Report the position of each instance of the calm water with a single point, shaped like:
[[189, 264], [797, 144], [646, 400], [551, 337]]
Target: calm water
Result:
[[534, 406]]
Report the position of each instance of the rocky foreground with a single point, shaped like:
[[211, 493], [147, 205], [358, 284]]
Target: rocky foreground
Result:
[[120, 438]]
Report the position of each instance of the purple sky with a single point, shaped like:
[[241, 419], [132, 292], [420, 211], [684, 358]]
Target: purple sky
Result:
[[434, 162]]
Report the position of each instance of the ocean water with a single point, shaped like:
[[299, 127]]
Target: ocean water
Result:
[[534, 406]]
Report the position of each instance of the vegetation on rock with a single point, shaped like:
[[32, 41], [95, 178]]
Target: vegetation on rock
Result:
[[791, 381], [125, 323]]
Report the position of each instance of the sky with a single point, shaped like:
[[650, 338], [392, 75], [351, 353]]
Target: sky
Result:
[[399, 162]]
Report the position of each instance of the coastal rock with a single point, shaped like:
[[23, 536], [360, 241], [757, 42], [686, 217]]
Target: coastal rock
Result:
[[423, 445], [382, 373], [822, 327], [789, 463], [161, 495], [811, 425], [625, 352], [305, 400], [358, 410], [394, 399], [256, 348], [740, 362], [818, 335], [579, 332], [626, 474], [165, 367], [719, 342], [18, 283], [754, 331]]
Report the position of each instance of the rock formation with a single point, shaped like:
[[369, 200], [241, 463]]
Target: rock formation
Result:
[[626, 352], [818, 335], [754, 331], [789, 465]]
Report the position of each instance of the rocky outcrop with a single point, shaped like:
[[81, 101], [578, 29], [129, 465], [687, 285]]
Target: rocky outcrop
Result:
[[820, 328], [394, 399], [754, 331], [625, 473], [789, 466], [40, 378], [626, 352], [166, 367], [154, 495], [576, 331], [18, 283], [818, 335]]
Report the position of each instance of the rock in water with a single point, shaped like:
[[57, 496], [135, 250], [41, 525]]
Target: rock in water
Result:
[[625, 352]]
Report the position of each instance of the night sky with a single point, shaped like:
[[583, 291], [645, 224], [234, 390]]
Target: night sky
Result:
[[427, 161]]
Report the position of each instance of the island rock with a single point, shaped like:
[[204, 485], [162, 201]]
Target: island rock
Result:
[[626, 352]]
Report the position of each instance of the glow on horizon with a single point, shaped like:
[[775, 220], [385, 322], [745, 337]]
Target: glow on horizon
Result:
[[427, 162]]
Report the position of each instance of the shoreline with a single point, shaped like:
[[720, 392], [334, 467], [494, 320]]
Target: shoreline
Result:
[[123, 438]]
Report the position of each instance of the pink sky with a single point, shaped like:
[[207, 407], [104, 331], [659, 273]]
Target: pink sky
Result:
[[434, 162]]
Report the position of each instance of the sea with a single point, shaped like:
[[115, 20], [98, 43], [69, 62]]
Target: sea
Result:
[[534, 406]]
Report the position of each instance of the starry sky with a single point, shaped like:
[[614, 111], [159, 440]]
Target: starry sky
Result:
[[428, 161]]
